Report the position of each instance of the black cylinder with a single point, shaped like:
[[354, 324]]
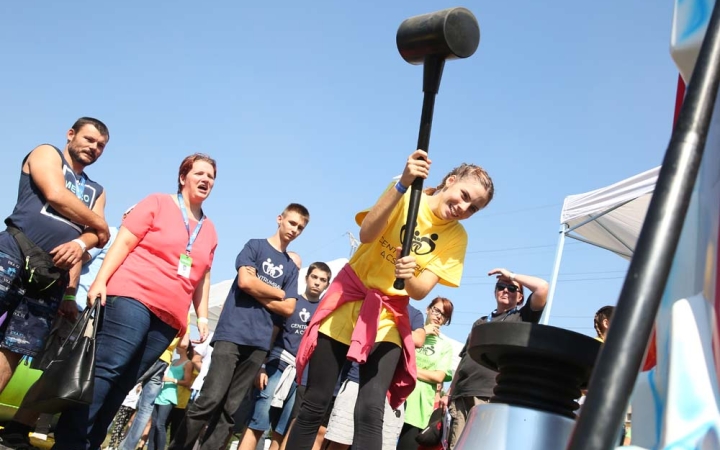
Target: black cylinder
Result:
[[450, 33], [539, 366]]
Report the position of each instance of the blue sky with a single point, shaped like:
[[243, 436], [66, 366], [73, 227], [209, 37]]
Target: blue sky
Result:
[[310, 102]]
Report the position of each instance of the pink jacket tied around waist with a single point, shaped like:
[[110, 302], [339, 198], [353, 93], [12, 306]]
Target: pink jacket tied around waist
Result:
[[347, 287]]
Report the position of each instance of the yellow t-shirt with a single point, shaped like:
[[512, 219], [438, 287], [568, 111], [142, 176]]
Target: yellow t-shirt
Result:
[[183, 393], [439, 246], [168, 353]]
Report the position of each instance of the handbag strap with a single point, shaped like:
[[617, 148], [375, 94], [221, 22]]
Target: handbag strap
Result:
[[82, 324], [97, 309], [77, 330]]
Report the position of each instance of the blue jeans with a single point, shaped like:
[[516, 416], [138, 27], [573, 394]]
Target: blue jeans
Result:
[[158, 429], [129, 340], [151, 388], [264, 414]]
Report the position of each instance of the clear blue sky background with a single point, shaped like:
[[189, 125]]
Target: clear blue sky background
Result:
[[310, 102]]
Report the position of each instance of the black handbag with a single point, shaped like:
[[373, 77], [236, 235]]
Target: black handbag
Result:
[[40, 270], [68, 379], [59, 333], [432, 434]]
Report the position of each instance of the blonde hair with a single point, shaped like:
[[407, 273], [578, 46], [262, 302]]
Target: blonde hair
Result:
[[465, 170]]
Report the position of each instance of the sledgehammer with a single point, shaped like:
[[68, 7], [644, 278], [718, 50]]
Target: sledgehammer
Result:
[[431, 39]]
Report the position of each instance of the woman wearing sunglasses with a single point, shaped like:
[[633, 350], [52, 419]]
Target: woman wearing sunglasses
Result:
[[434, 366], [472, 383]]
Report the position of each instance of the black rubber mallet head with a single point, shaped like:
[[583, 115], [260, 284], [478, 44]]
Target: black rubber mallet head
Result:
[[450, 34], [431, 39]]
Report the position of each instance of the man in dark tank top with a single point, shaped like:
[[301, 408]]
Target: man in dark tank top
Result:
[[61, 210]]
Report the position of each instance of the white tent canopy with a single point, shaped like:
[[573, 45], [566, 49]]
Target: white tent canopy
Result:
[[219, 291], [610, 217]]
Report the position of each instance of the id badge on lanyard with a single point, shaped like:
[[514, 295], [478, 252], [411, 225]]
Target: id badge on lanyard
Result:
[[185, 262], [184, 266]]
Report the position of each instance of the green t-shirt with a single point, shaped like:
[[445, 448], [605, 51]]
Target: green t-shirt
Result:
[[435, 354]]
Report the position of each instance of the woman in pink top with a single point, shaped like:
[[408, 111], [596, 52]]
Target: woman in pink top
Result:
[[158, 265]]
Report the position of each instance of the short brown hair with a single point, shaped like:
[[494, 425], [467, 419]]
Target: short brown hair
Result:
[[187, 164], [297, 208], [321, 266], [101, 127], [604, 313], [447, 308]]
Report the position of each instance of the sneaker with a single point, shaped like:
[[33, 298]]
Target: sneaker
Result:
[[15, 441]]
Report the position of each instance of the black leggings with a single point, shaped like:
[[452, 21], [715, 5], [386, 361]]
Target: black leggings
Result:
[[407, 437], [375, 377]]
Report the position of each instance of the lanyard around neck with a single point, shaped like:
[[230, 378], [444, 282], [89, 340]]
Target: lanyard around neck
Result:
[[490, 316], [194, 235], [79, 186]]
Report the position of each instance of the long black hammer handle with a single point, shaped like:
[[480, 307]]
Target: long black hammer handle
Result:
[[430, 39], [433, 68]]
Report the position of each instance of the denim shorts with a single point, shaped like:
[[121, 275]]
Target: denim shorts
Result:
[[28, 319], [264, 416]]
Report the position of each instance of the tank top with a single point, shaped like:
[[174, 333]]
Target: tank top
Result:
[[168, 393], [38, 220]]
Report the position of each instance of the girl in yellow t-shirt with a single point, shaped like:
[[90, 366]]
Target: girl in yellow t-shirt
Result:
[[362, 315]]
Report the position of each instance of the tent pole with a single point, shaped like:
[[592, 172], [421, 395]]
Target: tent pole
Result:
[[556, 270]]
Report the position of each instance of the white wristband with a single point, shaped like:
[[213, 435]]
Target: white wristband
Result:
[[202, 320], [81, 244], [512, 276]]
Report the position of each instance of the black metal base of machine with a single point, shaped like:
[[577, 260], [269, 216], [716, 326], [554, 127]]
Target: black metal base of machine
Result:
[[540, 366]]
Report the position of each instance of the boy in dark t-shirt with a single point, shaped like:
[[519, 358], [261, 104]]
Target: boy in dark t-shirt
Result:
[[274, 395], [266, 285], [472, 383]]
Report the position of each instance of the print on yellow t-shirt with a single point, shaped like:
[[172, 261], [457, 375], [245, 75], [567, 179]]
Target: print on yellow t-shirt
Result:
[[438, 246]]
